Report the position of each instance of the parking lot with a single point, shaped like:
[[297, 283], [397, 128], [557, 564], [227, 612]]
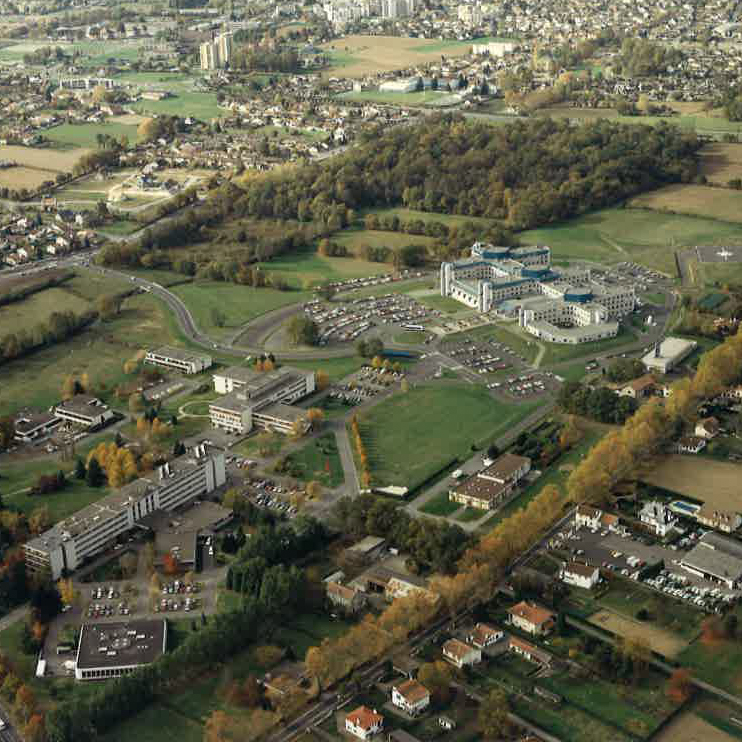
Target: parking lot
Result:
[[628, 555]]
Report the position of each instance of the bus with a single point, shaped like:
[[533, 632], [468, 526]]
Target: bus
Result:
[[414, 328]]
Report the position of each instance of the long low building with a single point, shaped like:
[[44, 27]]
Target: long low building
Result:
[[716, 558], [85, 411], [259, 399], [110, 650], [489, 487], [668, 354], [178, 359], [95, 528]]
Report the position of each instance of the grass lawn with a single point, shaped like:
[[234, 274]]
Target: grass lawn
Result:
[[447, 420], [38, 307], [318, 460], [238, 304], [719, 664], [335, 368], [440, 505], [121, 227], [305, 269], [556, 353], [696, 200], [202, 106], [467, 515], [83, 135], [648, 237], [409, 337], [156, 723], [442, 303], [353, 238], [410, 215]]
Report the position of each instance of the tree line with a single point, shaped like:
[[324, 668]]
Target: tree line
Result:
[[599, 403]]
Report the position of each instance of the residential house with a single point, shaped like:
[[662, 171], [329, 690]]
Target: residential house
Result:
[[691, 444], [483, 636], [460, 654], [658, 517], [638, 388], [707, 428], [531, 618], [347, 598], [720, 520], [580, 575], [411, 696], [528, 651], [587, 516], [364, 722]]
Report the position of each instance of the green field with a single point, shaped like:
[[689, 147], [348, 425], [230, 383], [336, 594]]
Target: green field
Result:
[[238, 304], [556, 353], [353, 238], [440, 505], [83, 135], [441, 422], [155, 724], [450, 220], [648, 237], [202, 106], [335, 368], [442, 303], [37, 308], [317, 460], [719, 664], [467, 515], [305, 269]]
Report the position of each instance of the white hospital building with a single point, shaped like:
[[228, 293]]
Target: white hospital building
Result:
[[95, 528], [555, 304]]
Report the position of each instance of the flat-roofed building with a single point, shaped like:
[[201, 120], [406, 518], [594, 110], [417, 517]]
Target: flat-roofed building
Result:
[[179, 359], [717, 559], [668, 354], [489, 487], [30, 426], [254, 399], [88, 532], [85, 411], [110, 650]]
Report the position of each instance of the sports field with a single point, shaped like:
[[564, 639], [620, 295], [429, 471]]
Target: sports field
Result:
[[358, 56], [202, 106], [699, 477], [446, 421], [305, 269], [37, 157], [660, 640], [695, 200], [84, 135], [237, 304], [647, 237]]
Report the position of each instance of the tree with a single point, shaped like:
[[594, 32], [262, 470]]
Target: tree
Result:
[[67, 591], [493, 719], [25, 702], [314, 489], [136, 403], [46, 602], [128, 563], [218, 318], [321, 380], [315, 417], [94, 476], [170, 564], [108, 306], [302, 330], [69, 387], [80, 470], [35, 730], [679, 686], [437, 677]]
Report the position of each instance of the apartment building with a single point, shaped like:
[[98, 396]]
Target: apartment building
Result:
[[178, 359], [92, 530], [217, 53]]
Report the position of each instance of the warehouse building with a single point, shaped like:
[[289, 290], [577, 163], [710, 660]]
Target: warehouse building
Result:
[[716, 558], [668, 354], [260, 399], [178, 359], [95, 528], [110, 650], [561, 305]]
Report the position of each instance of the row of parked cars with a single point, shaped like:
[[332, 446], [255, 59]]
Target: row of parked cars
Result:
[[675, 585], [97, 610]]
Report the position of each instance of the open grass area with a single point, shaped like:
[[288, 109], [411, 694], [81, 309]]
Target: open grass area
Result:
[[353, 238], [410, 215], [202, 106], [442, 303], [305, 269], [448, 420], [697, 200], [719, 663], [557, 353], [335, 368], [467, 515], [83, 135], [721, 162], [440, 505], [317, 460], [100, 351], [38, 307], [647, 237], [156, 723], [395, 287], [237, 304], [43, 158]]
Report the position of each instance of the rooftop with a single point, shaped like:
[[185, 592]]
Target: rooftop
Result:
[[534, 614], [179, 354], [121, 644], [716, 555]]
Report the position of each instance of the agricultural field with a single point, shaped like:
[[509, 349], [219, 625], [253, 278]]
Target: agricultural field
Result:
[[700, 478], [39, 158], [358, 56], [237, 304], [305, 269], [450, 220], [721, 162], [72, 136], [447, 420], [715, 203], [202, 106], [603, 236], [24, 177], [37, 308]]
